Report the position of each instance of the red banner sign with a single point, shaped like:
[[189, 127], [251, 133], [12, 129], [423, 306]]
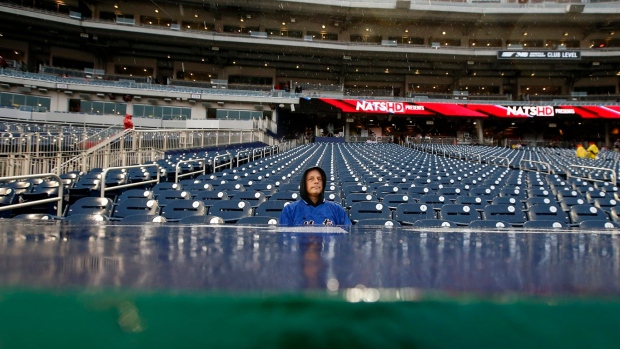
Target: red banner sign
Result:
[[471, 110]]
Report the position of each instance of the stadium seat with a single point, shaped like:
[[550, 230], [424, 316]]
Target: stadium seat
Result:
[[547, 212], [544, 224], [257, 220], [458, 213], [507, 213], [36, 217], [144, 218], [255, 198], [377, 222], [178, 209], [133, 206], [231, 210], [366, 209], [411, 212], [580, 213], [208, 219], [92, 206], [489, 224], [433, 223], [598, 224]]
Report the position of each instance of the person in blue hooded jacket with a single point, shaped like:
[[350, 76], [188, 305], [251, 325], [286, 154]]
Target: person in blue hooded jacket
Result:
[[313, 209]]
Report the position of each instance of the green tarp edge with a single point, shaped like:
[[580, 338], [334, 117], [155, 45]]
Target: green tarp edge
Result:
[[134, 319]]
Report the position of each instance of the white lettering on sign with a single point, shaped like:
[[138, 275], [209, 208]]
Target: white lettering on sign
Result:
[[565, 111], [387, 107], [531, 111]]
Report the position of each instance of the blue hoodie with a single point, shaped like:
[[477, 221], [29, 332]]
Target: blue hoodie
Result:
[[305, 212]]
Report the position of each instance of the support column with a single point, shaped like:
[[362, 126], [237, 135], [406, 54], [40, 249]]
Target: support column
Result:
[[607, 140], [480, 131]]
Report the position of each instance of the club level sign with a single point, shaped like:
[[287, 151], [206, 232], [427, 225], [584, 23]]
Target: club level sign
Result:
[[574, 55]]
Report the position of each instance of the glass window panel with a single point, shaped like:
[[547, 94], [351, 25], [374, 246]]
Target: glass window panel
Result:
[[121, 109], [19, 100], [45, 102], [233, 114], [97, 107], [6, 99], [245, 115], [85, 106], [221, 114], [158, 112], [138, 110], [186, 113], [109, 108]]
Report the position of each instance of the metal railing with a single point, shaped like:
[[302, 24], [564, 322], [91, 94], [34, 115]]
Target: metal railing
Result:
[[177, 168], [57, 199], [24, 154], [498, 160], [545, 164], [613, 178], [105, 171]]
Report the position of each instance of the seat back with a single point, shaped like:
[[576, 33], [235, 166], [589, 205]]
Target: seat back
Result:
[[547, 213], [508, 213], [411, 212], [179, 209], [458, 213], [377, 222], [580, 213], [91, 205], [366, 209], [257, 220], [231, 210], [133, 206]]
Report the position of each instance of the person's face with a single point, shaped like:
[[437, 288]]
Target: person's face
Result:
[[314, 184]]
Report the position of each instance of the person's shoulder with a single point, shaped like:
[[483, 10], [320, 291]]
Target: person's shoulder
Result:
[[332, 204]]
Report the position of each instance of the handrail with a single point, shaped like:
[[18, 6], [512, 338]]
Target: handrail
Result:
[[247, 151], [216, 166], [257, 150], [42, 201], [478, 155], [613, 173], [499, 157], [534, 162], [106, 170], [268, 151], [176, 168]]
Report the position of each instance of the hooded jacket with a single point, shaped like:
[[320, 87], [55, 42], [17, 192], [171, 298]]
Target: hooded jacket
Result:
[[305, 212], [127, 122]]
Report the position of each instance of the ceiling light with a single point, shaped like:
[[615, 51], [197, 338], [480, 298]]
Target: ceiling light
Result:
[[115, 5], [323, 26], [156, 11], [443, 33]]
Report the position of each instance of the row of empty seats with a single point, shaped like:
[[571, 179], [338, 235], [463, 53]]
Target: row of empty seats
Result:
[[372, 181]]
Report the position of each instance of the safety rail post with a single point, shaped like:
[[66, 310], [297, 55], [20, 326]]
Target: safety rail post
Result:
[[177, 168], [37, 202], [479, 158], [216, 166], [534, 162], [267, 150], [604, 169], [239, 154], [128, 185], [499, 157]]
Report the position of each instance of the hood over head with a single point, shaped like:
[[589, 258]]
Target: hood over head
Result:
[[302, 186]]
